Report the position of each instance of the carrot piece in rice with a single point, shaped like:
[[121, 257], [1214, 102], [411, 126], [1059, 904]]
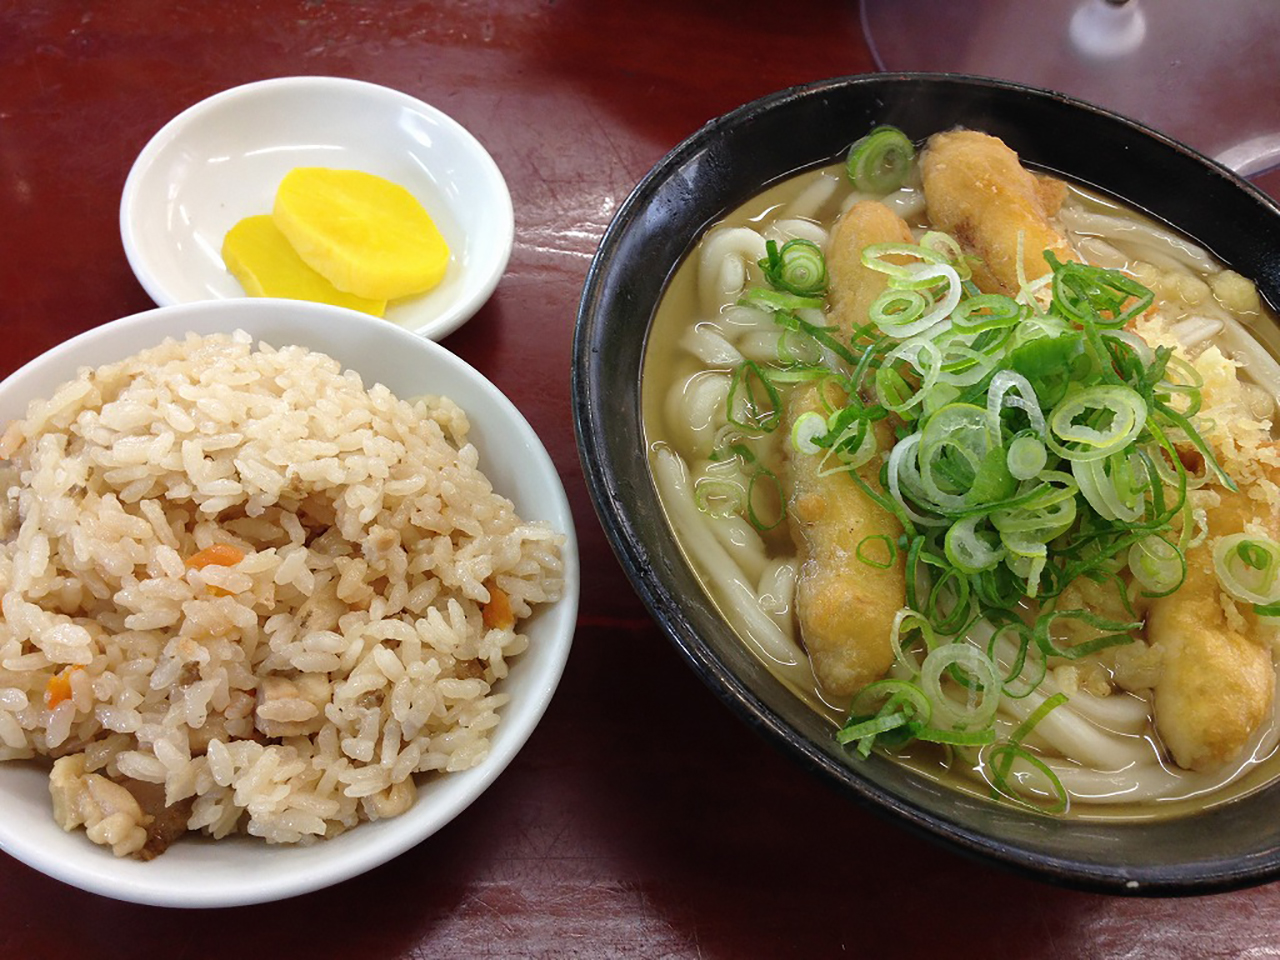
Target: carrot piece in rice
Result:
[[497, 612], [220, 555], [59, 686]]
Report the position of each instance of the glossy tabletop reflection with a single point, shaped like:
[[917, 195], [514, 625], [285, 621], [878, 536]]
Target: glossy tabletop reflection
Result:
[[642, 819]]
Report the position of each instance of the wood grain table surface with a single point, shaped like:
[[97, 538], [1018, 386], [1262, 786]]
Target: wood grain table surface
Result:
[[642, 819]]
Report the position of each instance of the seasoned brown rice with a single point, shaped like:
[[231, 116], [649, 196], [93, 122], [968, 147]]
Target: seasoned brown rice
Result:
[[290, 693]]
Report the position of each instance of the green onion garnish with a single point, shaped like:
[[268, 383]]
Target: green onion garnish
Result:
[[805, 429], [1158, 565], [754, 403], [1001, 757], [1248, 568], [1037, 443], [880, 161], [868, 554], [798, 267], [765, 489]]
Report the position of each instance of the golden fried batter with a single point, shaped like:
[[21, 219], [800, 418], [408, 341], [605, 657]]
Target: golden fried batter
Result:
[[977, 191], [845, 606], [855, 287], [1217, 679]]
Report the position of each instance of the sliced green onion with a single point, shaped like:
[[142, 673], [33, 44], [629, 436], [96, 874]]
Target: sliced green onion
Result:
[[1094, 295], [744, 408], [967, 359], [1001, 757], [880, 723], [902, 460], [970, 551], [1096, 422], [880, 161], [1033, 719], [719, 498], [905, 621], [987, 311], [1192, 434], [772, 301], [982, 694], [1027, 558], [1248, 567], [959, 738], [1047, 359], [773, 495], [790, 321], [870, 561], [1115, 486], [1028, 652], [918, 302], [890, 691], [993, 483], [798, 267], [1026, 457], [1190, 385], [883, 707], [950, 604], [807, 427], [1144, 353], [949, 249], [1158, 565], [897, 310], [1040, 521], [795, 350], [1001, 394], [1120, 633], [852, 447], [953, 447], [893, 392], [876, 256]]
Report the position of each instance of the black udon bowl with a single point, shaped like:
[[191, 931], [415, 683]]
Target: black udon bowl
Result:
[[714, 171]]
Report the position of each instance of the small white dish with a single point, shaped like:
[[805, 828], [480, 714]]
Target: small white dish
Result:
[[196, 871], [222, 159]]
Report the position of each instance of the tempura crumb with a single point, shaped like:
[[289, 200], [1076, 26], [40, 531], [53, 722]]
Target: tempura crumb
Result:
[[1236, 293]]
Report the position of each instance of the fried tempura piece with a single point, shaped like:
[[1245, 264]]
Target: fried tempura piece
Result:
[[855, 287], [845, 606], [1217, 679], [977, 191]]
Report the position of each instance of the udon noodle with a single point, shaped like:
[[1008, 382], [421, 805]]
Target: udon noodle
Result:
[[1088, 725]]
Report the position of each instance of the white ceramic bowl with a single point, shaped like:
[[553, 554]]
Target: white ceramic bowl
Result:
[[223, 159], [197, 872]]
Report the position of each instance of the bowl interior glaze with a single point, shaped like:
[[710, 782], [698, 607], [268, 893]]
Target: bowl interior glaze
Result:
[[720, 167]]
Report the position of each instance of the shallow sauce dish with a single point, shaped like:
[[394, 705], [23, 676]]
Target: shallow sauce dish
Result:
[[723, 165], [198, 872], [223, 158]]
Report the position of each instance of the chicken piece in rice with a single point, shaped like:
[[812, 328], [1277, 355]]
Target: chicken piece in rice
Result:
[[237, 575]]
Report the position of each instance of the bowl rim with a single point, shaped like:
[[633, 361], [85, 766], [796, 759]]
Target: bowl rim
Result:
[[483, 277], [99, 871], [607, 498]]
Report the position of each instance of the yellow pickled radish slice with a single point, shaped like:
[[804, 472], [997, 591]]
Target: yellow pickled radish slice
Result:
[[364, 234], [259, 256]]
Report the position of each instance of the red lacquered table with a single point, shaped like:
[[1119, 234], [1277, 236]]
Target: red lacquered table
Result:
[[642, 819]]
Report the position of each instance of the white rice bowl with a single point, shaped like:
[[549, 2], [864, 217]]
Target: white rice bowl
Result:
[[197, 871]]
